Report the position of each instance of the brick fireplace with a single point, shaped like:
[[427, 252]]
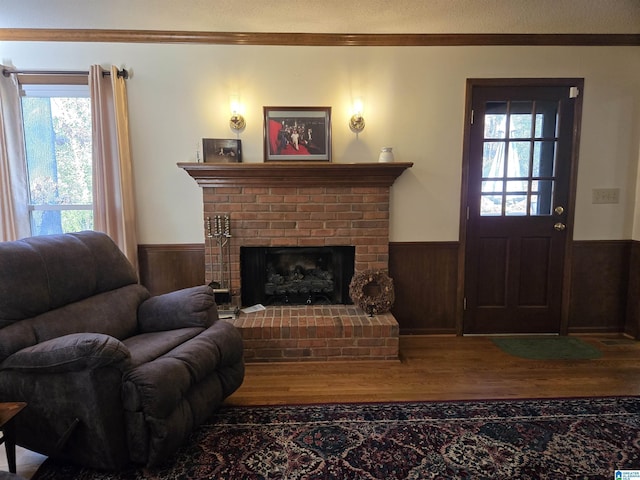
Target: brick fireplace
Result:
[[304, 205]]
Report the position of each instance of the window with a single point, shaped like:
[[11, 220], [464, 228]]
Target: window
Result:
[[518, 159], [57, 134]]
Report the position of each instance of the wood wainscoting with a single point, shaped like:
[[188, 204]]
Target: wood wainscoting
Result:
[[165, 268], [632, 324], [599, 286], [425, 280], [604, 292]]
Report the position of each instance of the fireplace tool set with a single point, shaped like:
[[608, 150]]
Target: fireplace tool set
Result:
[[219, 231]]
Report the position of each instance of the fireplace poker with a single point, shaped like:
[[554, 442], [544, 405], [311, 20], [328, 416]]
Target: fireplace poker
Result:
[[223, 234]]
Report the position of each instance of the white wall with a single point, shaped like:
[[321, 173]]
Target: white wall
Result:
[[414, 101]]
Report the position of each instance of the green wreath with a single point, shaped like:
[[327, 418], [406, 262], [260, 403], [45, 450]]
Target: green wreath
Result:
[[377, 299]]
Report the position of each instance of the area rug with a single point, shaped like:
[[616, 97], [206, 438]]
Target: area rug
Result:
[[524, 439], [548, 348]]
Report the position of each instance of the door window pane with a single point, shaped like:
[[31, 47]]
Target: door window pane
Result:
[[491, 205], [492, 186], [534, 205], [545, 198], [546, 119], [515, 205], [518, 163], [493, 160], [520, 120], [517, 186], [544, 158], [495, 120]]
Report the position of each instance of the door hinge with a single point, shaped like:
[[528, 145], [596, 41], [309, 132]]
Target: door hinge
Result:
[[464, 303], [472, 114], [468, 213], [574, 92]]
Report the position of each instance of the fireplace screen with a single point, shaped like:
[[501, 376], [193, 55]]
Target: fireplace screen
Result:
[[296, 275]]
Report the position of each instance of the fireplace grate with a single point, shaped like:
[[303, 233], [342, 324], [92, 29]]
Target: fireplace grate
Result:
[[296, 275]]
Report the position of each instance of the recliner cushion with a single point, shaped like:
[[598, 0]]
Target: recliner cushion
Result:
[[157, 386], [146, 347]]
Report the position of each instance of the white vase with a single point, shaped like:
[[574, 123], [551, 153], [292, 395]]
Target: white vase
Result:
[[386, 155]]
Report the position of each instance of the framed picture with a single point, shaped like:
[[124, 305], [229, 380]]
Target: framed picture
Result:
[[297, 134], [221, 150]]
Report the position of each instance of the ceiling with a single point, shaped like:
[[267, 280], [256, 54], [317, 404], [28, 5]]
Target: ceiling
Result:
[[329, 16]]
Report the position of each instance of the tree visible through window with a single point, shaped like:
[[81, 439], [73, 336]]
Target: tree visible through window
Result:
[[57, 130]]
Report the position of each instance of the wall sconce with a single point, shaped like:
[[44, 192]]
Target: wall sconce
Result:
[[236, 122], [356, 123]]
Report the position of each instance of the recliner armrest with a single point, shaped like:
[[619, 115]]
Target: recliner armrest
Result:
[[69, 353], [189, 307]]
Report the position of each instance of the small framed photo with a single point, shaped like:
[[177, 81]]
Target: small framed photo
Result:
[[220, 150], [297, 134]]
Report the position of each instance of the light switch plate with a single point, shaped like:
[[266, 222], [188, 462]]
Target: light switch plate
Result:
[[605, 195]]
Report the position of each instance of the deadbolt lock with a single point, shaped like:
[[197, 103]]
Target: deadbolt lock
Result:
[[559, 226], [559, 210]]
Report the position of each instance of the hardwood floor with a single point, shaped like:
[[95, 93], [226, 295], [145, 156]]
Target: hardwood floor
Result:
[[433, 368], [446, 368]]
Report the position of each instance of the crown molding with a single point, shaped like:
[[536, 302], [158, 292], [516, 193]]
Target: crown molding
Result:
[[315, 39]]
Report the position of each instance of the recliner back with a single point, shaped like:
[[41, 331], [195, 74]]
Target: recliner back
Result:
[[39, 274]]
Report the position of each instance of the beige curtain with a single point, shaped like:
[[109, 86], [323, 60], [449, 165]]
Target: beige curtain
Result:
[[113, 199], [14, 196]]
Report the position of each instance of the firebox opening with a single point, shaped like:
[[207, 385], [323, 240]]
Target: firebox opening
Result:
[[296, 275]]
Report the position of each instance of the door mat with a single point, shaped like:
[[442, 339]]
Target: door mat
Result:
[[617, 342], [548, 348]]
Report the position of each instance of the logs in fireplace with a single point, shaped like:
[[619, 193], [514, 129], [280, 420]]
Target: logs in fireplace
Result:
[[296, 275]]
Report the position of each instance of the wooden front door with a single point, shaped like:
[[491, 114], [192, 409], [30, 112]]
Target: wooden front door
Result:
[[520, 158]]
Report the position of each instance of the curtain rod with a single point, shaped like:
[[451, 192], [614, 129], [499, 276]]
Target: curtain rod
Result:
[[121, 73]]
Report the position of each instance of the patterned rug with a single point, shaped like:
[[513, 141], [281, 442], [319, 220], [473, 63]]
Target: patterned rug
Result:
[[524, 439]]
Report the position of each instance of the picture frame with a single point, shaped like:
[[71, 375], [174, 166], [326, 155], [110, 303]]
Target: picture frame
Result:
[[221, 150], [294, 134]]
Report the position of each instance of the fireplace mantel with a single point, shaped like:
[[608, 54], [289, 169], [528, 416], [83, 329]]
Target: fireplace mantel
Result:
[[295, 174]]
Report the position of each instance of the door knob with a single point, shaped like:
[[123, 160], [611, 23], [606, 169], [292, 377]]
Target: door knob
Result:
[[559, 226]]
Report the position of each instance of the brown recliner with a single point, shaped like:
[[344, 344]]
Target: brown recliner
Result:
[[111, 375]]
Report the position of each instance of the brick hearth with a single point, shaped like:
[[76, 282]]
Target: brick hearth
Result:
[[305, 204], [331, 332]]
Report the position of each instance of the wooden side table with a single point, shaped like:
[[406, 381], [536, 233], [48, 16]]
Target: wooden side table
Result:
[[8, 410]]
